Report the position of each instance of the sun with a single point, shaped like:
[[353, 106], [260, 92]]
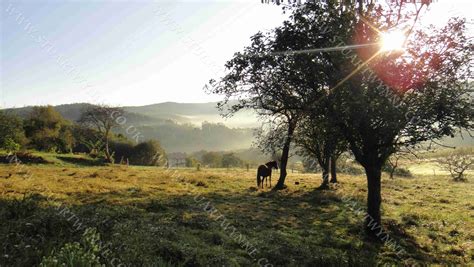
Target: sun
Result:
[[392, 40]]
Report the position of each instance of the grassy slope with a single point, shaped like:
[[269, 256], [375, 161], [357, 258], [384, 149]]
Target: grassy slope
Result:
[[146, 214]]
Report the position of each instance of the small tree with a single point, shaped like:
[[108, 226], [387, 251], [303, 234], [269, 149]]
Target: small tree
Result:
[[212, 159], [191, 161], [102, 119], [11, 132], [392, 164], [317, 137], [457, 164], [266, 84], [66, 140], [231, 160]]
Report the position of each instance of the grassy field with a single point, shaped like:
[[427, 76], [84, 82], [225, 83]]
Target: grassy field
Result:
[[149, 216]]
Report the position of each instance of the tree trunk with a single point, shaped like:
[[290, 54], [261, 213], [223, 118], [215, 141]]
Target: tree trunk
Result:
[[333, 170], [284, 157], [325, 168], [374, 199], [283, 162], [107, 150]]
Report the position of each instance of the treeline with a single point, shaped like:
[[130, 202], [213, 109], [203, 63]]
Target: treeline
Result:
[[169, 128], [213, 159], [45, 129], [188, 137]]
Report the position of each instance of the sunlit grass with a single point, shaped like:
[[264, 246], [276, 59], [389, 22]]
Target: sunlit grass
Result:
[[431, 217]]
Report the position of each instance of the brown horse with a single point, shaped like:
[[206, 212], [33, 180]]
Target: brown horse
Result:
[[265, 171]]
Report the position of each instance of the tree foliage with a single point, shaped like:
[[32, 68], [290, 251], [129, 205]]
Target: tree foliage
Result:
[[47, 130], [11, 132], [379, 102], [103, 120], [148, 153]]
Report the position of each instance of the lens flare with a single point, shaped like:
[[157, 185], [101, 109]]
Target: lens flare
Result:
[[393, 40]]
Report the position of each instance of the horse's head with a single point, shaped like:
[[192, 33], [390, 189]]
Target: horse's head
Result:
[[272, 164]]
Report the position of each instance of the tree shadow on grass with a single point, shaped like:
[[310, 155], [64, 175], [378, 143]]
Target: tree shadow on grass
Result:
[[297, 228], [82, 161]]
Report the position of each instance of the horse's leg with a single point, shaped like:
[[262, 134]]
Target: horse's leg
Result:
[[270, 180]]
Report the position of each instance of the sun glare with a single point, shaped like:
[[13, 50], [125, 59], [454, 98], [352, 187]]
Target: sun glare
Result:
[[392, 40]]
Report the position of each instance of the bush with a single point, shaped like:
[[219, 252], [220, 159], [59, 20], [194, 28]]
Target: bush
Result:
[[347, 164], [10, 145], [457, 164], [122, 150], [84, 254], [148, 153], [396, 171], [402, 172], [86, 139]]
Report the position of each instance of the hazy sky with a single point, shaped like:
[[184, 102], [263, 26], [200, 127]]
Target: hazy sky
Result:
[[132, 52]]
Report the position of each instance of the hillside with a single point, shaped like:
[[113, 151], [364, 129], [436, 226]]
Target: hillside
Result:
[[179, 127], [192, 113], [189, 127]]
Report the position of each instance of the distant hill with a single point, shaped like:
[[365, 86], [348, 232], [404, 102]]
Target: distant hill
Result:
[[194, 113], [179, 127], [190, 127]]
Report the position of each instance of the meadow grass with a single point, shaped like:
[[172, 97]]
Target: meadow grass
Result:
[[150, 216]]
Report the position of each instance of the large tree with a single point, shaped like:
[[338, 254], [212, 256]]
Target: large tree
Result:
[[384, 101], [380, 101], [103, 120], [418, 95], [265, 83]]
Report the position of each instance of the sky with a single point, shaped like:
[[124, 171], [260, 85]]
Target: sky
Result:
[[133, 52]]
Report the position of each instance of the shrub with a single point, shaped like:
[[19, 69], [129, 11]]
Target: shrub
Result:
[[122, 150], [457, 164], [10, 145], [87, 139], [346, 164], [402, 172], [395, 170], [148, 153], [84, 254]]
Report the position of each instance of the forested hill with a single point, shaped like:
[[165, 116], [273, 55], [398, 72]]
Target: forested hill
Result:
[[189, 127], [178, 126]]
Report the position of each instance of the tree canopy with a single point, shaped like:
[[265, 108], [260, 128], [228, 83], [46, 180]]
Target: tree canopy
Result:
[[326, 62]]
